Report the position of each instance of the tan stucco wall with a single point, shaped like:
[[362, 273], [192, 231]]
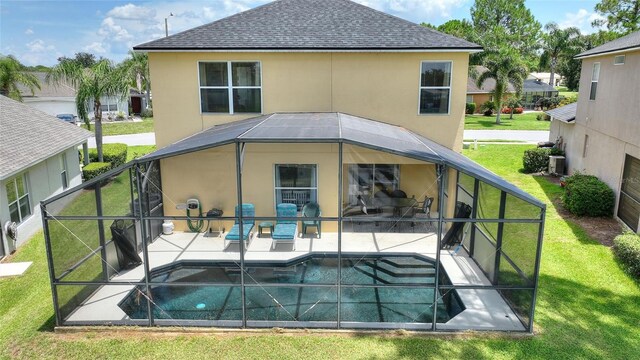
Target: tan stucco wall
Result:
[[210, 176], [379, 86]]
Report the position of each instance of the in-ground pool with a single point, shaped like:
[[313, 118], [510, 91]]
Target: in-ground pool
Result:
[[374, 288]]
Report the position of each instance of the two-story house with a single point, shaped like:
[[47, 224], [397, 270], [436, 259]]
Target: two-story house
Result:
[[309, 162], [602, 133]]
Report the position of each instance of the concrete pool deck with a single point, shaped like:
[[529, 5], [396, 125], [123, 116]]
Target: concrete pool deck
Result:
[[484, 309]]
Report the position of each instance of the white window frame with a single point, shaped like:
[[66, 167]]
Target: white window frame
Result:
[[619, 57], [276, 187], [229, 87], [597, 78], [420, 87], [25, 181], [64, 172]]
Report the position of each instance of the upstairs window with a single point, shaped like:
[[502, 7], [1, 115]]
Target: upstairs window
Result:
[[230, 87], [595, 75], [619, 60], [435, 87], [18, 198]]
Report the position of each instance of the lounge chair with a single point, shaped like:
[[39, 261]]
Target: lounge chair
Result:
[[248, 211], [456, 233], [285, 230], [311, 210]]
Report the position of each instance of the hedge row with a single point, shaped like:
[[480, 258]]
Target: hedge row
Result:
[[587, 195], [537, 159], [627, 248], [94, 169], [116, 154]]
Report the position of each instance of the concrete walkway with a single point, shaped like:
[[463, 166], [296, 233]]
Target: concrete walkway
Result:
[[529, 136], [130, 140]]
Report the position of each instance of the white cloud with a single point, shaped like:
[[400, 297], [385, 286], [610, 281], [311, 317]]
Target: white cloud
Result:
[[131, 12], [39, 46], [39, 52], [427, 10], [29, 31], [95, 47], [582, 20]]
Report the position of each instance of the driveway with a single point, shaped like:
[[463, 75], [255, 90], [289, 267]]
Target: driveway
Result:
[[529, 136], [132, 139]]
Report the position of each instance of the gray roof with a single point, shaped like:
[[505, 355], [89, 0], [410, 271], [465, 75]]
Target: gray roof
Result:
[[487, 86], [626, 42], [48, 90], [332, 128], [531, 85], [310, 25], [565, 113], [30, 136]]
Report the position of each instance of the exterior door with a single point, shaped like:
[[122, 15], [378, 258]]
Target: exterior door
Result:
[[629, 205]]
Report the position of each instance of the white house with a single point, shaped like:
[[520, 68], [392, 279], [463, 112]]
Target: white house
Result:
[[38, 158]]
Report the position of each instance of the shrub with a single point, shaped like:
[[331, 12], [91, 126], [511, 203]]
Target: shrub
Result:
[[471, 108], [507, 110], [587, 195], [536, 160], [544, 117], [116, 154], [566, 100], [94, 169], [627, 248], [120, 116], [147, 113], [488, 107]]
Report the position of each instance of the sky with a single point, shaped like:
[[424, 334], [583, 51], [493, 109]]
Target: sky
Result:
[[39, 32]]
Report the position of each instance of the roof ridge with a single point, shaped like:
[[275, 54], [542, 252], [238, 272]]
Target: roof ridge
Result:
[[256, 125]]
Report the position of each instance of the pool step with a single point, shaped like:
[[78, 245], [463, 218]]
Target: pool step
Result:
[[400, 272], [385, 276]]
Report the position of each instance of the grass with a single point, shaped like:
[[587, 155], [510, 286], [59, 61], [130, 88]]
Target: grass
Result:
[[587, 308], [564, 91], [526, 121], [125, 127]]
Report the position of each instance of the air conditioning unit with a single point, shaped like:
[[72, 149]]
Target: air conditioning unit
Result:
[[556, 165]]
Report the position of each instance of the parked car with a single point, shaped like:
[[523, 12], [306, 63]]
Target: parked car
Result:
[[70, 118]]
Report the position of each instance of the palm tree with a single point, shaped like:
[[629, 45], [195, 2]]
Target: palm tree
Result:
[[506, 66], [13, 73], [556, 44], [91, 84], [137, 66]]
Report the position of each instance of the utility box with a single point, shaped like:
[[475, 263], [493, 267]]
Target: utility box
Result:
[[556, 165]]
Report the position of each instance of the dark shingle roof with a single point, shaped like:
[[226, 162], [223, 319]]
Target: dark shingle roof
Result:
[[310, 25], [487, 86], [30, 136], [626, 42], [565, 113], [533, 85]]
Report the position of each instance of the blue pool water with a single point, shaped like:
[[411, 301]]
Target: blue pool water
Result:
[[374, 289]]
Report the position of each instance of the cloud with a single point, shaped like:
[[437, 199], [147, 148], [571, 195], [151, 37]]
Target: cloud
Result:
[[39, 52], [38, 45], [582, 20], [416, 9], [95, 47], [131, 12], [29, 31]]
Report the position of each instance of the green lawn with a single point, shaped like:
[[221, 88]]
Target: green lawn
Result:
[[125, 127], [587, 309], [525, 121]]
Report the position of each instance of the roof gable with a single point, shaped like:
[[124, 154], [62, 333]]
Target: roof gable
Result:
[[30, 136], [310, 25], [630, 41]]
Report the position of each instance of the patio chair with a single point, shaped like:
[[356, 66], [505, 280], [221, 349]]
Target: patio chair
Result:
[[285, 230], [424, 212], [311, 210], [248, 211]]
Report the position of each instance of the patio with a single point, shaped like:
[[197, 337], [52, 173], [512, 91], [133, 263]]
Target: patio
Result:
[[382, 192]]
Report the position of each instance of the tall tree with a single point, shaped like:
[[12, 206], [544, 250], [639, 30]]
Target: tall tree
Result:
[[622, 16], [137, 68], [82, 58], [506, 23], [506, 66], [557, 44], [12, 74], [91, 84]]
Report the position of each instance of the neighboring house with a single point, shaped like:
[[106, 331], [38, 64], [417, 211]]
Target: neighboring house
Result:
[[480, 95], [51, 99], [545, 77], [533, 91], [604, 138], [61, 99], [331, 132], [38, 158]]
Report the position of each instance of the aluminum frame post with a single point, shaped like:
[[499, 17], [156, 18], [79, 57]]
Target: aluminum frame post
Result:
[[436, 291], [339, 272], [241, 232], [145, 252]]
